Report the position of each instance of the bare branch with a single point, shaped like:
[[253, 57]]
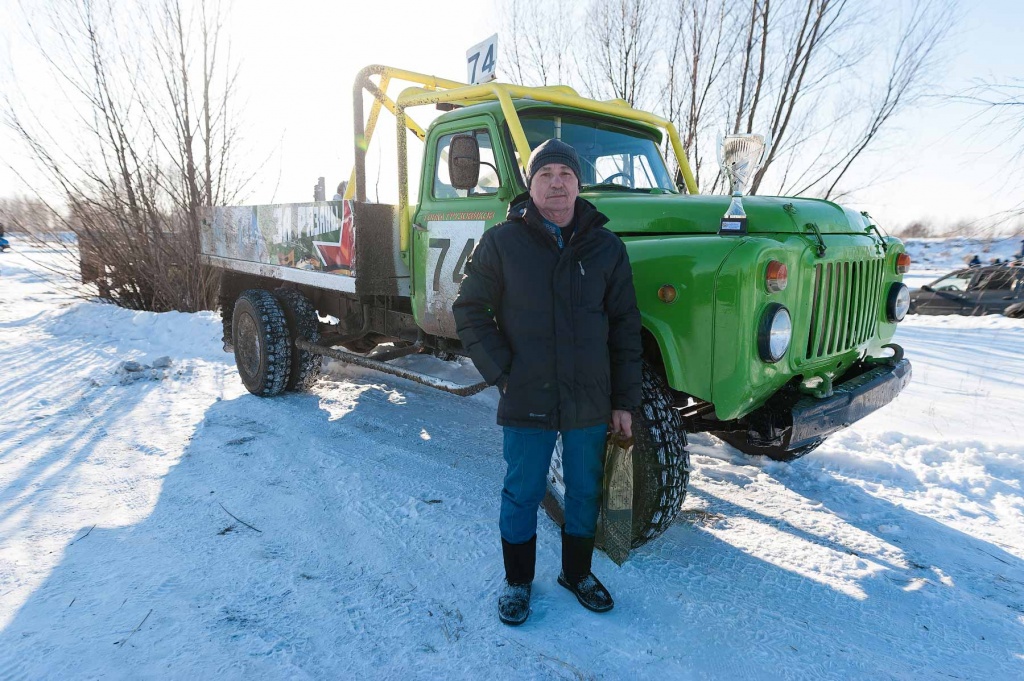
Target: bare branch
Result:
[[149, 100]]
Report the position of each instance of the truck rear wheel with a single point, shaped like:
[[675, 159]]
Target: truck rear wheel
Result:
[[260, 339], [739, 441], [661, 464], [302, 323]]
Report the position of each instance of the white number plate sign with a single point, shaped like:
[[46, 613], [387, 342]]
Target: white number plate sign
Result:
[[480, 60]]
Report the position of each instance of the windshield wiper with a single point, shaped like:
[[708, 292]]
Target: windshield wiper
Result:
[[611, 186]]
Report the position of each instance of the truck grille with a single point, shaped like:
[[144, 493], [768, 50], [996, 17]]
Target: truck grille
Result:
[[845, 309]]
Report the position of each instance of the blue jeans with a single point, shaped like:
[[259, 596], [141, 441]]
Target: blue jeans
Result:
[[528, 455]]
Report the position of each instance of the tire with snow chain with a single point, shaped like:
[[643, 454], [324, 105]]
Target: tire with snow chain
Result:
[[302, 323], [739, 441], [259, 334], [661, 464]]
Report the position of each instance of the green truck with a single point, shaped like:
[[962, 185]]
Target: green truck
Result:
[[771, 336]]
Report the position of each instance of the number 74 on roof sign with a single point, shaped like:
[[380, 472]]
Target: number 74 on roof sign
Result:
[[480, 60]]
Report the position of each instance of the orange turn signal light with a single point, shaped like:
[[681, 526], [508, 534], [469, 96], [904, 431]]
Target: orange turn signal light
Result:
[[902, 263], [776, 277], [667, 293]]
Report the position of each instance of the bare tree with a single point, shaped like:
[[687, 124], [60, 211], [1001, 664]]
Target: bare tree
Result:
[[915, 230], [1005, 98], [621, 50], [543, 54], [806, 42], [20, 211], [825, 79], [999, 106], [149, 89], [698, 52], [912, 59]]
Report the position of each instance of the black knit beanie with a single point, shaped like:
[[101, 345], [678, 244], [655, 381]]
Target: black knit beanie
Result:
[[552, 151]]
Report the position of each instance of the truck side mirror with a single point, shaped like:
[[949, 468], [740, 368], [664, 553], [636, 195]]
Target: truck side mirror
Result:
[[464, 162]]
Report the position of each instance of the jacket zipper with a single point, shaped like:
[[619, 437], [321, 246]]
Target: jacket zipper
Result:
[[578, 293]]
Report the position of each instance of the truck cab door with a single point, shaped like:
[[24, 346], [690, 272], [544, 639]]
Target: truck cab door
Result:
[[449, 222]]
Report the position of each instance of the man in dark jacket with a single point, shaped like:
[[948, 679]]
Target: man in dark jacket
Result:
[[548, 313]]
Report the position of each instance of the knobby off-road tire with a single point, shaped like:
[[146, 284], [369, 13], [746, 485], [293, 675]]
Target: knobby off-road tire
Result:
[[739, 441], [302, 323], [226, 302], [261, 341], [661, 464], [1015, 311]]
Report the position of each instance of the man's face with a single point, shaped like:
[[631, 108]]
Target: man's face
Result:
[[554, 188]]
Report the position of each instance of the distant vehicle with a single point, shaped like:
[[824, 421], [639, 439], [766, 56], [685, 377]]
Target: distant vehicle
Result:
[[5, 245], [996, 289]]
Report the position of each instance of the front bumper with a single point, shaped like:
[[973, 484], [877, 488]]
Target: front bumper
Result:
[[791, 421], [851, 401]]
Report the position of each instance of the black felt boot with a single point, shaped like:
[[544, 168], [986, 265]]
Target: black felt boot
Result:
[[576, 576], [514, 599]]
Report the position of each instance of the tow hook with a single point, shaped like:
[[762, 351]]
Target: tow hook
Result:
[[892, 360], [820, 390]]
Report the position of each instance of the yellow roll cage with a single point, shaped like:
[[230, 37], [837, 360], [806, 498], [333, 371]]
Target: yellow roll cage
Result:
[[433, 90]]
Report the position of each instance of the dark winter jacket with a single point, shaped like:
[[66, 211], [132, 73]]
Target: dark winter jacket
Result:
[[559, 330]]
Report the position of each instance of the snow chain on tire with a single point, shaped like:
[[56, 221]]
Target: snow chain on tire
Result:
[[261, 341], [661, 464], [302, 323], [226, 303]]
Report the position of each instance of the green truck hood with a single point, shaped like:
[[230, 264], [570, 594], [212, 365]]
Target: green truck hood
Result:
[[701, 214]]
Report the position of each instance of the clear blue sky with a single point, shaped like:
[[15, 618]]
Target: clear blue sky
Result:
[[299, 60]]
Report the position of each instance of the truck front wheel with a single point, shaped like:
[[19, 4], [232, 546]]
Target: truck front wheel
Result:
[[260, 339], [661, 464]]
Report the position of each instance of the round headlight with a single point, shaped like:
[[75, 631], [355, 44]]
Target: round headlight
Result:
[[775, 334], [899, 302]]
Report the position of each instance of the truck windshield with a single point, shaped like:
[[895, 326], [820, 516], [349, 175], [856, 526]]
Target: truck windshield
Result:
[[612, 157]]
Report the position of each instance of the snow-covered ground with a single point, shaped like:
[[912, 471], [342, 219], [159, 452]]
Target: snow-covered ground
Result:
[[163, 523]]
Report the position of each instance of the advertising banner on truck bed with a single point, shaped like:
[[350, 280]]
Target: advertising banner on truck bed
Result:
[[309, 236]]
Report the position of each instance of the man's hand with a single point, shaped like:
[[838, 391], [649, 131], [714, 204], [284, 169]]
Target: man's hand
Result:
[[622, 422]]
